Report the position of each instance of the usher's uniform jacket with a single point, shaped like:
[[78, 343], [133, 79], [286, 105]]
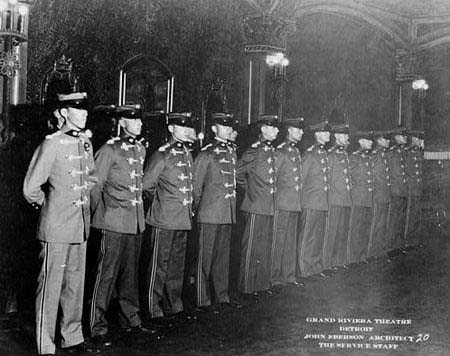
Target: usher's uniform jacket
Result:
[[379, 239], [215, 201], [361, 168], [288, 199], [257, 174], [413, 228], [64, 160], [399, 195], [316, 185], [340, 201], [169, 177], [118, 211]]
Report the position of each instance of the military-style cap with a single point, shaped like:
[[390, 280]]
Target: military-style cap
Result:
[[340, 128], [298, 122], [415, 133], [400, 130], [383, 134], [320, 127], [223, 119], [269, 120], [129, 111], [368, 135], [73, 100], [181, 119]]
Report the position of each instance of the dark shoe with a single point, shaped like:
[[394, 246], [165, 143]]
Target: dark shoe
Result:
[[82, 348], [233, 303], [275, 289], [101, 341], [202, 309], [160, 323], [140, 329]]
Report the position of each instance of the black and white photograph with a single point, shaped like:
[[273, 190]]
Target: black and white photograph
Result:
[[225, 177]]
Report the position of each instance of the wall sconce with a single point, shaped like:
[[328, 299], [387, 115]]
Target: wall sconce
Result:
[[420, 85], [279, 62]]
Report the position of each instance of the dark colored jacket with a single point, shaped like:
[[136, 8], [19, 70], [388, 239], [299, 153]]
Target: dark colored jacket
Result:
[[215, 184], [116, 200], [316, 178], [399, 174], [381, 175], [169, 177], [64, 160], [414, 163], [256, 172], [340, 178], [289, 183], [361, 169]]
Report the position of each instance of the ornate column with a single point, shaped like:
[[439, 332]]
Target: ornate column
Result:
[[407, 66], [266, 63], [13, 59]]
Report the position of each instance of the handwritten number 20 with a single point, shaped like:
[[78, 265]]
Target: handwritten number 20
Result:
[[422, 337]]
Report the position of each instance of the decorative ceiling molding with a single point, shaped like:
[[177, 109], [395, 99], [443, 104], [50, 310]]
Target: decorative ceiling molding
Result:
[[398, 35], [402, 24]]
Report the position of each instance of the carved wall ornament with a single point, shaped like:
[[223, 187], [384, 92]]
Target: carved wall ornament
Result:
[[408, 62], [266, 31], [9, 63]]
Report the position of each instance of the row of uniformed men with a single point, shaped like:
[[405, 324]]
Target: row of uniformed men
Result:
[[277, 187], [308, 216], [110, 189]]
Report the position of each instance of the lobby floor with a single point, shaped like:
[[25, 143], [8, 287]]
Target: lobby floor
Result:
[[383, 308]]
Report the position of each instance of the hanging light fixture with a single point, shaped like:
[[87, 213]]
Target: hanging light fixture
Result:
[[421, 85]]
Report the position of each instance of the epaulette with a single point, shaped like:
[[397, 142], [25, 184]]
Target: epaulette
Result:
[[164, 147], [53, 135], [87, 133], [256, 144], [281, 145], [112, 140], [310, 148], [204, 148]]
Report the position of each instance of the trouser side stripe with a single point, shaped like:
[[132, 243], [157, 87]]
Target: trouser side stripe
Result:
[[98, 278], [153, 273], [249, 251]]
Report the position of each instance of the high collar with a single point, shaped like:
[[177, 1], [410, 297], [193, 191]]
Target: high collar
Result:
[[176, 143], [291, 142], [128, 139], [221, 143]]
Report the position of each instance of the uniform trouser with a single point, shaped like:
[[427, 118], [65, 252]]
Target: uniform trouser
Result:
[[60, 284], [166, 271], [284, 246], [117, 274], [310, 243], [361, 218], [413, 226], [213, 263], [336, 236], [379, 237], [254, 273], [397, 221]]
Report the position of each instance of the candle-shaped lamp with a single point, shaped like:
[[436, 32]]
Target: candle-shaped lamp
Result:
[[3, 7], [23, 11], [10, 15]]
